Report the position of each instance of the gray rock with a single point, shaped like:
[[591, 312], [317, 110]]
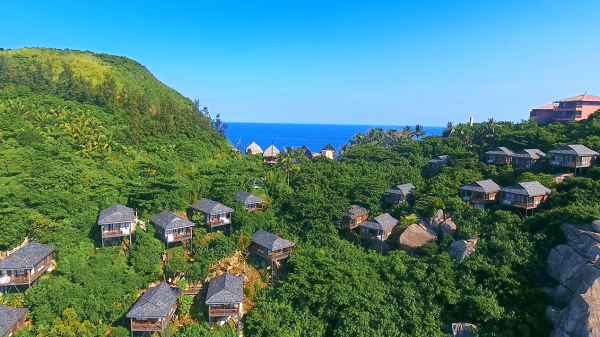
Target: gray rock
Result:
[[442, 224], [461, 248], [462, 329], [596, 225]]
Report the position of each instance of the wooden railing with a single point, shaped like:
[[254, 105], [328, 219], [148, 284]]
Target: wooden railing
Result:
[[16, 280], [179, 237], [222, 312], [147, 326], [218, 222], [115, 233]]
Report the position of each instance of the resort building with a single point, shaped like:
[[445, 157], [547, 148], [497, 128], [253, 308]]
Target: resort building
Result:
[[355, 217], [399, 193], [225, 297], [270, 154], [328, 151], [11, 319], [527, 195], [253, 148], [575, 156], [25, 265], [215, 213], [480, 192], [249, 200], [116, 222], [525, 159], [569, 109], [173, 227], [378, 229], [270, 246], [436, 163], [499, 156], [154, 310]]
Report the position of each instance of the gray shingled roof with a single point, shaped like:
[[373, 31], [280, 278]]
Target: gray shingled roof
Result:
[[381, 222], [169, 220], [328, 147], [271, 151], [529, 153], [247, 198], [356, 210], [307, 151], [270, 241], [27, 257], [404, 189], [482, 186], [529, 188], [9, 316], [116, 214], [443, 159], [155, 303], [576, 149], [500, 150], [211, 207], [225, 289]]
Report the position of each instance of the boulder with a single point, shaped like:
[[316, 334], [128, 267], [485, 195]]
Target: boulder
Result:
[[461, 248], [576, 301], [596, 226], [415, 236], [459, 329], [441, 223]]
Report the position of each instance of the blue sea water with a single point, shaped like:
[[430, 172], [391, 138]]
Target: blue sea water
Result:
[[315, 136]]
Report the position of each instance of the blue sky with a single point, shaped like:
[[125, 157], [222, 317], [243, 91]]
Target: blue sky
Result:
[[384, 62]]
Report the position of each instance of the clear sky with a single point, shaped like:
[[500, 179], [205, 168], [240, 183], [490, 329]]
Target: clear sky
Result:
[[371, 62]]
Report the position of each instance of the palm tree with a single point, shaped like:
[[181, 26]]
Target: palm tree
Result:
[[290, 159], [419, 131], [407, 131], [449, 130]]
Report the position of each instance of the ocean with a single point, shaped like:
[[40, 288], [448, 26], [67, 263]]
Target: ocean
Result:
[[315, 136]]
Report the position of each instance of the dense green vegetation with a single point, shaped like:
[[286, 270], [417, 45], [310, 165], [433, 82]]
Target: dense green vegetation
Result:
[[81, 131]]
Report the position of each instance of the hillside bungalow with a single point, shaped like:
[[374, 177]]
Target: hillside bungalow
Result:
[[270, 154], [576, 156], [355, 217], [307, 152], [11, 320], [480, 192], [173, 227], [527, 158], [328, 151], [570, 109], [270, 246], [225, 297], [215, 213], [378, 229], [436, 163], [499, 156], [253, 148], [25, 265], [250, 201], [527, 195], [116, 222], [399, 193], [154, 310]]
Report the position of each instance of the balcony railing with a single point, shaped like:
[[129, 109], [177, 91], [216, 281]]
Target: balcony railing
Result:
[[116, 232], [15, 280], [147, 326], [520, 204], [222, 312], [178, 237], [218, 222]]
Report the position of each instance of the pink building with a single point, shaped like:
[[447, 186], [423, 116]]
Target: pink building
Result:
[[570, 109]]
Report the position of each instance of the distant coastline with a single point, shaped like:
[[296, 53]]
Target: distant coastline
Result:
[[315, 136]]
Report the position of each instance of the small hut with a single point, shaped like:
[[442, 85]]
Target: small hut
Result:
[[215, 213], [270, 154], [154, 310], [307, 152], [225, 297], [499, 156], [436, 163], [250, 201], [253, 148], [399, 193], [525, 159], [329, 151], [116, 222], [480, 192], [355, 216], [526, 195]]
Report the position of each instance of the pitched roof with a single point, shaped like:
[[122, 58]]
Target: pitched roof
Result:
[[415, 236], [210, 207], [500, 150], [576, 149], [270, 241], [271, 151], [381, 222], [356, 210], [529, 153], [224, 289], [443, 159], [169, 220], [583, 98], [253, 148], [155, 303], [307, 151], [404, 189], [27, 257], [550, 106], [483, 186], [116, 214], [9, 317], [247, 198], [328, 147], [528, 188]]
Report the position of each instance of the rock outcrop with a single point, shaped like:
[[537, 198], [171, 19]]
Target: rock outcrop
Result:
[[415, 236], [461, 248], [575, 266], [459, 329], [442, 224]]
